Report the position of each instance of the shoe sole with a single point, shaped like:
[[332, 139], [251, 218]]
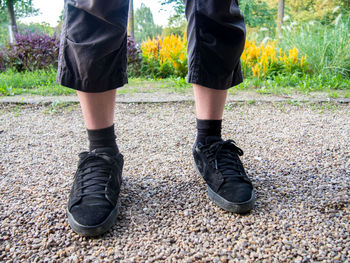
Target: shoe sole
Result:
[[238, 208], [96, 230]]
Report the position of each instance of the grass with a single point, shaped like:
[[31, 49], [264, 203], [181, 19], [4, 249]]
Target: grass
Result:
[[326, 46], [295, 83], [323, 107], [178, 85], [59, 107], [40, 82], [43, 82]]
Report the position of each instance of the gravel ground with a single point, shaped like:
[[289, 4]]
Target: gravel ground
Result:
[[186, 96], [298, 157]]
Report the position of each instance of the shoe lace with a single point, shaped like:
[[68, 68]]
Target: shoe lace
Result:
[[93, 174], [224, 156]]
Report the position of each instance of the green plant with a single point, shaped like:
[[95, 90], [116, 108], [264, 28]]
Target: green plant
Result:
[[229, 106], [180, 84], [4, 36], [41, 82], [294, 103], [150, 67], [288, 83], [251, 102], [39, 28], [59, 106], [333, 94], [327, 46]]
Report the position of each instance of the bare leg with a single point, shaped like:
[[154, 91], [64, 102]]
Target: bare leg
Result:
[[210, 103], [97, 108]]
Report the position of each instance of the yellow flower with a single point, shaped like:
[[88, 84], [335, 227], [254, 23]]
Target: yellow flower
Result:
[[302, 60], [150, 48], [293, 55], [256, 71], [264, 59], [284, 59], [169, 49]]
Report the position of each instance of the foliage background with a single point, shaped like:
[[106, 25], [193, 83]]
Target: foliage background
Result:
[[310, 53], [144, 24], [23, 8]]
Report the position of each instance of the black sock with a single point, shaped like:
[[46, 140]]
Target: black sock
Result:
[[207, 128], [102, 138]]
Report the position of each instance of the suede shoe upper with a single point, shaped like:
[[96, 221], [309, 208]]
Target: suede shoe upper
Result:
[[219, 164], [96, 186]]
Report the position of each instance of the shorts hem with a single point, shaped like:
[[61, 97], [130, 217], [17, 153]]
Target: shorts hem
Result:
[[91, 87], [215, 82]]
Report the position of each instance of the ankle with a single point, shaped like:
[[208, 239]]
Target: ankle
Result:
[[102, 138], [206, 128]]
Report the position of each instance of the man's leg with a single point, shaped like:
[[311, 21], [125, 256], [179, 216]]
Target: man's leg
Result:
[[97, 108], [98, 112], [216, 36], [210, 103], [93, 61]]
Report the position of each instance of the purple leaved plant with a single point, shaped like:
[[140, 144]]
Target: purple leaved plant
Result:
[[134, 57], [33, 51]]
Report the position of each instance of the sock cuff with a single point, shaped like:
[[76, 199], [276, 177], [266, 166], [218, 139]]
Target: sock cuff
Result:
[[208, 124], [105, 132], [207, 128]]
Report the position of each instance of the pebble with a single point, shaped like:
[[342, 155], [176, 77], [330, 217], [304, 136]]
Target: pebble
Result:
[[298, 160]]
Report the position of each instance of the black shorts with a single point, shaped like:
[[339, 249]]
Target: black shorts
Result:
[[93, 51]]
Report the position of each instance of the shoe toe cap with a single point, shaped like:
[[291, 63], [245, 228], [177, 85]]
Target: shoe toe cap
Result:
[[90, 215], [236, 193]]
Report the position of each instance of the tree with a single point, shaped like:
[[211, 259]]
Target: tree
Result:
[[179, 6], [145, 26], [131, 25], [14, 9], [280, 15], [345, 4], [257, 13], [176, 25], [319, 10]]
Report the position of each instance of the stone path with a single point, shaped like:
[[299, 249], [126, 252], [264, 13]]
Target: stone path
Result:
[[297, 155], [238, 96]]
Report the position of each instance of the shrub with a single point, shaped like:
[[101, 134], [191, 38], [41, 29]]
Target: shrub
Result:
[[40, 28], [4, 37], [165, 57], [263, 61], [327, 46], [33, 51], [134, 58]]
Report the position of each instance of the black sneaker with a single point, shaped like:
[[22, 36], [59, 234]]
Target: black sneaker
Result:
[[93, 203], [218, 162]]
